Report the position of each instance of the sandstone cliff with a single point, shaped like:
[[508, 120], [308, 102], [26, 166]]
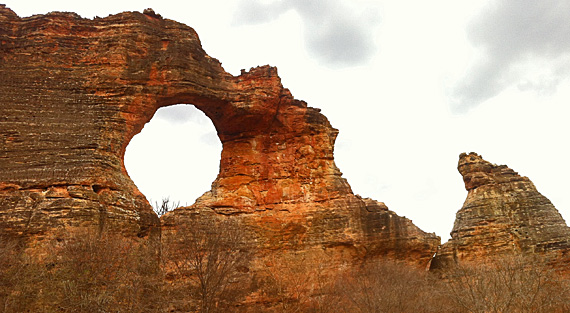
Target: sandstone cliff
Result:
[[74, 91], [503, 213]]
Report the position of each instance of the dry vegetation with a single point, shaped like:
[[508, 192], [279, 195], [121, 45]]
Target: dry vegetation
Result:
[[207, 270], [82, 273], [206, 266], [508, 284]]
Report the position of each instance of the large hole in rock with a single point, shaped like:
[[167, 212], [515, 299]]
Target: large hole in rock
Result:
[[175, 156]]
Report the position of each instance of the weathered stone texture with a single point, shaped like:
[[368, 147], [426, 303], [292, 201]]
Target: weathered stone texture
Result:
[[74, 91], [503, 213]]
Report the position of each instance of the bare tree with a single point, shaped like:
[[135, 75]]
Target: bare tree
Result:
[[209, 258]]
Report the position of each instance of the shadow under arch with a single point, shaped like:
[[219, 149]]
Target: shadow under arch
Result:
[[176, 155]]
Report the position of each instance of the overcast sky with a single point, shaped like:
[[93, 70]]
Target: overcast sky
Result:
[[410, 84]]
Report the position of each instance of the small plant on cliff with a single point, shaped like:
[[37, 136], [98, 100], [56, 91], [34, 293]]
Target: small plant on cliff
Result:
[[165, 206]]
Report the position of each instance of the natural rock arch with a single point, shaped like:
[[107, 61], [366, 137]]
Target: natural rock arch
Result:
[[74, 91]]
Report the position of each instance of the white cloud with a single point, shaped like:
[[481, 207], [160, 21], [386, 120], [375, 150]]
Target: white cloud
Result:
[[336, 33], [511, 36]]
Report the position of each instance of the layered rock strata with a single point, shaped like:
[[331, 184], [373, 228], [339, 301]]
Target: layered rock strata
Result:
[[503, 213], [74, 91]]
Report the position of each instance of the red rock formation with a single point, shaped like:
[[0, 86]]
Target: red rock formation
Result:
[[74, 91], [503, 213]]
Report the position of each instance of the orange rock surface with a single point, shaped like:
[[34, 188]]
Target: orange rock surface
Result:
[[74, 91], [503, 214]]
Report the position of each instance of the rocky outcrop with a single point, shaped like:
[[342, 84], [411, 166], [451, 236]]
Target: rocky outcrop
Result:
[[74, 91], [503, 213]]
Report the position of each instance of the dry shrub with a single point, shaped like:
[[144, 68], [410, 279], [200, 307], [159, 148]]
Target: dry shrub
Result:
[[387, 286], [508, 284], [104, 273], [20, 278], [88, 272], [83, 272], [295, 284], [208, 265]]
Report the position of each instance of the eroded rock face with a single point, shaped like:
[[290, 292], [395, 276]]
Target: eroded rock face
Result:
[[503, 213], [74, 91]]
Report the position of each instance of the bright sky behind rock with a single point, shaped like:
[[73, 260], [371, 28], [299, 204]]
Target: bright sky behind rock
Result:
[[410, 84]]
